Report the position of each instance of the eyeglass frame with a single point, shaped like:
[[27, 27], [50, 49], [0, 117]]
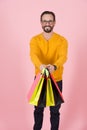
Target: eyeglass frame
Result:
[[45, 21]]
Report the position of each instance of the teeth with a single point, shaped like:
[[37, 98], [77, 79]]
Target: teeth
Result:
[[47, 27]]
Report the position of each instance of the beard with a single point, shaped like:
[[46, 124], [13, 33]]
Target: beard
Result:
[[47, 29]]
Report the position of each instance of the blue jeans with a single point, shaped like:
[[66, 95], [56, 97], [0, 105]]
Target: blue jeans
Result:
[[54, 115]]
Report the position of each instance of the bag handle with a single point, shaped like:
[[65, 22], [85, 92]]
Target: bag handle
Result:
[[45, 72]]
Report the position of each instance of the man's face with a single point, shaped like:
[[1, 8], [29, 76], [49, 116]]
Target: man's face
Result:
[[47, 23]]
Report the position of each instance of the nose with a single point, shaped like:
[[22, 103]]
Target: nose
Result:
[[47, 22]]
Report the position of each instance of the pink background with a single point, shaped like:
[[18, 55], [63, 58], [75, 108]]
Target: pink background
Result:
[[19, 21]]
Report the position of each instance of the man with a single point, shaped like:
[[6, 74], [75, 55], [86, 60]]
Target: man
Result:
[[48, 50]]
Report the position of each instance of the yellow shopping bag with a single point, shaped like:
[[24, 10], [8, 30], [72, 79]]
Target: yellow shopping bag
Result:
[[36, 94], [49, 94]]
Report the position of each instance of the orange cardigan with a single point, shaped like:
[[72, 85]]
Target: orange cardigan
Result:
[[52, 51]]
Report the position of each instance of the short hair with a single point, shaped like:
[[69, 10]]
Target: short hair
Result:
[[48, 12]]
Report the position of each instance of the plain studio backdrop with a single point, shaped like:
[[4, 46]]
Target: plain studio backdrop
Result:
[[19, 21]]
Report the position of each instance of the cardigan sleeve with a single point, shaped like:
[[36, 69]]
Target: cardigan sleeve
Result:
[[34, 49], [62, 54]]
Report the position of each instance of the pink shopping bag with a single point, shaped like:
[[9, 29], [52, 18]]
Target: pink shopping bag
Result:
[[30, 92], [56, 85]]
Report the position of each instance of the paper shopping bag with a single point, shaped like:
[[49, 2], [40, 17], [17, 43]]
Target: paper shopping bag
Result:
[[36, 80], [50, 93], [36, 94], [45, 91], [46, 97], [36, 88], [58, 97]]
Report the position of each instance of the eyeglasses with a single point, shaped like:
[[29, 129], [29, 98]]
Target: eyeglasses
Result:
[[49, 22]]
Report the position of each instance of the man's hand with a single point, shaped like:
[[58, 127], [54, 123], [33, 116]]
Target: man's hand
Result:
[[50, 68], [42, 67]]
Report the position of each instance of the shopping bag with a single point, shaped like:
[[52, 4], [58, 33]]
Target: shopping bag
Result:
[[36, 80], [35, 91], [36, 94], [46, 97], [42, 97], [50, 94], [58, 97], [45, 91]]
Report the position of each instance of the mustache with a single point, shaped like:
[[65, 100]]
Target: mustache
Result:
[[47, 26]]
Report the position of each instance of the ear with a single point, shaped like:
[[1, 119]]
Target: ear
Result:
[[54, 23]]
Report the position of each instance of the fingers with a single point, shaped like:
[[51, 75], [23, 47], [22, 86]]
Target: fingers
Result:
[[42, 67], [50, 68]]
